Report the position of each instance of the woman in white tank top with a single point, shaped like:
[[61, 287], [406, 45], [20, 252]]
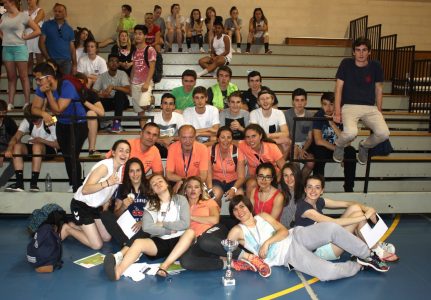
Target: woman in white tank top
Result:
[[37, 14]]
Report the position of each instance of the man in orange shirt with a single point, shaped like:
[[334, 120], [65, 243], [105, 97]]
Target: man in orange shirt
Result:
[[186, 158], [144, 149]]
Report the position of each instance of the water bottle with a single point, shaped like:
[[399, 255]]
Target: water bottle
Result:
[[48, 183]]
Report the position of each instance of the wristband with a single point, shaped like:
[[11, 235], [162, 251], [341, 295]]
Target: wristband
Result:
[[234, 189]]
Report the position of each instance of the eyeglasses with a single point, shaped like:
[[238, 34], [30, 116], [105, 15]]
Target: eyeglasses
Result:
[[38, 80], [263, 177]]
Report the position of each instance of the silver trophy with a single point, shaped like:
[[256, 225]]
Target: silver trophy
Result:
[[229, 246]]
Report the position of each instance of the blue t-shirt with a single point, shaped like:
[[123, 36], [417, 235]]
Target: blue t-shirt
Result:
[[136, 209], [328, 133], [75, 107], [302, 207], [359, 82], [58, 39]]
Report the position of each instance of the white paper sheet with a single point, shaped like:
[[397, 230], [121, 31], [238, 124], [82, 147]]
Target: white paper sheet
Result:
[[372, 234], [126, 221]]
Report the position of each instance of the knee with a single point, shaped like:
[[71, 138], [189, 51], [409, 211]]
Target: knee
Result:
[[96, 245], [170, 31], [382, 134], [350, 134], [91, 113]]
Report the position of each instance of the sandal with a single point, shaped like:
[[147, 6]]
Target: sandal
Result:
[[163, 275]]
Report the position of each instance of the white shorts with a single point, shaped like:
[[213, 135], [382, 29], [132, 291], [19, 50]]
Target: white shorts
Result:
[[139, 98]]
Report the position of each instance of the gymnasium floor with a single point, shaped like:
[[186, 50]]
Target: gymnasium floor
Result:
[[407, 279]]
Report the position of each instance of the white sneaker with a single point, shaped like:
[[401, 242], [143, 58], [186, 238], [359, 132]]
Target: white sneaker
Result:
[[189, 50], [202, 50], [70, 190], [10, 106], [118, 257], [25, 105], [238, 50]]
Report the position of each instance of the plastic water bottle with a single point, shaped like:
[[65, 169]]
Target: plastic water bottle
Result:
[[48, 183]]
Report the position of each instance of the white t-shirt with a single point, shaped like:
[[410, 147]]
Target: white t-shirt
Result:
[[40, 132], [172, 20], [272, 123], [169, 128], [88, 67], [201, 121]]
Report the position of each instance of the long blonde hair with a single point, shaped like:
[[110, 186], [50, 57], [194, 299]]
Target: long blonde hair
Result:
[[129, 42], [204, 195]]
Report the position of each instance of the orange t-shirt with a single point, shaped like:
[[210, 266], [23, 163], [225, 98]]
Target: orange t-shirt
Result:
[[151, 158], [271, 153], [202, 209], [178, 164], [228, 165]]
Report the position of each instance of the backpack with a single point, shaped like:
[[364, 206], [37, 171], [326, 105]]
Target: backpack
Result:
[[158, 70], [44, 251], [234, 155], [51, 213]]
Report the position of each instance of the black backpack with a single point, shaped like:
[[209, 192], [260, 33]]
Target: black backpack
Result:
[[158, 71], [45, 249], [234, 155]]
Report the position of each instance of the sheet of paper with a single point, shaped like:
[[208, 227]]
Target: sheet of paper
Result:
[[126, 221], [136, 271], [91, 261], [372, 234]]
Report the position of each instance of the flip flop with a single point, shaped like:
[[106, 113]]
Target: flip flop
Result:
[[163, 275]]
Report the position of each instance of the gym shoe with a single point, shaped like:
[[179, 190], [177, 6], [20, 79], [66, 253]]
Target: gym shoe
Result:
[[261, 266], [25, 106], [374, 262], [14, 188], [238, 50], [362, 154], [94, 153], [388, 247], [116, 127], [180, 50], [243, 265], [10, 106], [70, 190], [34, 188], [189, 50], [109, 264], [338, 154], [202, 50], [384, 255], [268, 52]]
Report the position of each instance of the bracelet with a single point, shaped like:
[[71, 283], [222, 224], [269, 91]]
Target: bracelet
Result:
[[234, 189]]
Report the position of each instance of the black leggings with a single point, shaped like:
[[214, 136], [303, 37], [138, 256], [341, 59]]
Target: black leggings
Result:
[[118, 103], [64, 139], [205, 254]]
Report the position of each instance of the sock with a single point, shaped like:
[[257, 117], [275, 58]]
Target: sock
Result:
[[266, 47], [200, 40], [248, 47], [238, 45], [34, 178], [19, 174], [189, 42], [118, 256], [202, 73]]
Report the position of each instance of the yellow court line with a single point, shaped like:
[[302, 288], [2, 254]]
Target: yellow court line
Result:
[[314, 279], [289, 290]]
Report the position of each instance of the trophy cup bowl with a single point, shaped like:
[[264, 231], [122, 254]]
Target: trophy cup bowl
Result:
[[229, 246]]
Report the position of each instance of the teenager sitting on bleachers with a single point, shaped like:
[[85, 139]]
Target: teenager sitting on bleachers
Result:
[[184, 94], [204, 117], [186, 157], [194, 30], [258, 148], [124, 49], [175, 25], [272, 120], [82, 35], [37, 14], [325, 133], [169, 121], [144, 148], [304, 131], [232, 27], [220, 51], [234, 116], [249, 97], [141, 77], [258, 30], [218, 93], [8, 128], [126, 21], [153, 36], [94, 195], [43, 140], [210, 19], [159, 21], [113, 87], [91, 64]]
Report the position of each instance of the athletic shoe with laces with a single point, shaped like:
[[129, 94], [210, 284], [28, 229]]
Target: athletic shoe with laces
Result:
[[384, 255], [388, 247], [374, 262], [238, 50], [34, 188], [202, 50], [268, 52], [261, 266], [10, 106], [116, 127], [338, 154], [243, 265], [14, 188], [362, 154]]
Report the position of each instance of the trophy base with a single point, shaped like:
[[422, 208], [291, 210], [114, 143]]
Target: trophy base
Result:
[[228, 281]]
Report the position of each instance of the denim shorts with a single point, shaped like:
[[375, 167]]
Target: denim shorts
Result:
[[15, 53], [326, 252]]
